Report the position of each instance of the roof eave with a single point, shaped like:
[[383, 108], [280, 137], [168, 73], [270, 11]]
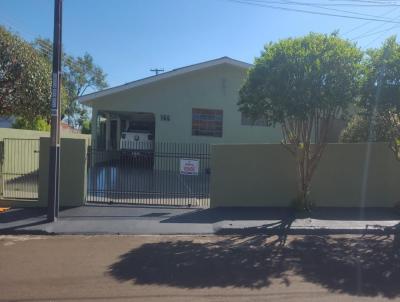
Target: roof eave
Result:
[[88, 98]]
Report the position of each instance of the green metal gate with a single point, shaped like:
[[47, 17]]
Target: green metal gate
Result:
[[150, 176], [19, 159]]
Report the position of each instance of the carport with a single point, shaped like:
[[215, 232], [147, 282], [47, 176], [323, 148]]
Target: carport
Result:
[[111, 124]]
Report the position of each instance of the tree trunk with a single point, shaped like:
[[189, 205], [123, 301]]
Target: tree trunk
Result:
[[303, 180], [297, 139]]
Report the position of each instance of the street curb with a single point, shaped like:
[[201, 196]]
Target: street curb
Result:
[[225, 232]]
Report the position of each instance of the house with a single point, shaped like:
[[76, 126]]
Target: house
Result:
[[186, 110], [192, 104], [6, 122], [65, 128]]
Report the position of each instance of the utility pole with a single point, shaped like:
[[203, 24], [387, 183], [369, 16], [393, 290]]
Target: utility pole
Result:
[[157, 71], [54, 160]]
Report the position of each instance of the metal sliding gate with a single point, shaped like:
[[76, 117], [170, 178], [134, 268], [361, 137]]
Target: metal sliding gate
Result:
[[166, 174], [19, 168]]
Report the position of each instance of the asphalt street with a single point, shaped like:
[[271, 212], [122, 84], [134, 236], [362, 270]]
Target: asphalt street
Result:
[[199, 268]]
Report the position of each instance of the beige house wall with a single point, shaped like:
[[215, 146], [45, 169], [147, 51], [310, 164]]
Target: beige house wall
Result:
[[215, 87]]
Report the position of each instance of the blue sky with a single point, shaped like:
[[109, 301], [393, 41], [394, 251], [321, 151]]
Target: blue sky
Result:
[[129, 37]]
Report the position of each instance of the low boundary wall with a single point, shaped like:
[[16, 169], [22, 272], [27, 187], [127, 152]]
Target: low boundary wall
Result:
[[32, 134], [265, 175], [72, 175], [72, 171]]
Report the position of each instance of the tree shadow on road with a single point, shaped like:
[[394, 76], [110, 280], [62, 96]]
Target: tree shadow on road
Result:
[[362, 265], [239, 260]]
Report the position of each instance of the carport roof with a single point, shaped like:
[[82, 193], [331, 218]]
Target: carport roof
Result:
[[224, 60]]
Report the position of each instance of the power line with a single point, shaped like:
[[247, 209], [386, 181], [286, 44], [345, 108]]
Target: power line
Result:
[[374, 33], [321, 6], [364, 35], [12, 24], [379, 26], [378, 4], [372, 29], [368, 33], [369, 22], [310, 12], [48, 48], [372, 41], [45, 49], [314, 5], [366, 3], [375, 39]]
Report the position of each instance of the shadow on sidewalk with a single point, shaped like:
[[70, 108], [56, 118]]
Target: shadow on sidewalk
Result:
[[361, 266], [14, 221], [20, 214], [214, 215], [219, 214]]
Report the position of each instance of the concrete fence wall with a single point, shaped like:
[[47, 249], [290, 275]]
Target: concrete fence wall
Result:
[[19, 150], [73, 171], [17, 155], [72, 175], [32, 134], [265, 175]]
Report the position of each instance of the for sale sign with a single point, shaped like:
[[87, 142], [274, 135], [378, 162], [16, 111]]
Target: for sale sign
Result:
[[189, 166]]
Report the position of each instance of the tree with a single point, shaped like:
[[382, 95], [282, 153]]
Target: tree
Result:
[[25, 79], [379, 104], [86, 127], [82, 75], [362, 128], [37, 123], [303, 84], [79, 75]]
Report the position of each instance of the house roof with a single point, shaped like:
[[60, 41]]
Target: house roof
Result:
[[179, 71]]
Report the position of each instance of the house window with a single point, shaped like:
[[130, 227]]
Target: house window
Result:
[[207, 122], [165, 117], [250, 121]]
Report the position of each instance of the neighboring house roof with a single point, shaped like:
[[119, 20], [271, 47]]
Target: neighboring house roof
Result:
[[179, 71], [67, 128]]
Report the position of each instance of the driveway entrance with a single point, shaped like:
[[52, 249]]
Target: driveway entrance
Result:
[[172, 175]]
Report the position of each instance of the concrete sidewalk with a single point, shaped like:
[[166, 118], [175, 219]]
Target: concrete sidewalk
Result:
[[141, 220]]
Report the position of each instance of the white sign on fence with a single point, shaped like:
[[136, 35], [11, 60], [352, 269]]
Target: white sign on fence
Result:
[[189, 166]]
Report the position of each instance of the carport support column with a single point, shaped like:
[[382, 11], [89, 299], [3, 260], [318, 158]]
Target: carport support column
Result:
[[94, 128], [108, 131], [118, 131]]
